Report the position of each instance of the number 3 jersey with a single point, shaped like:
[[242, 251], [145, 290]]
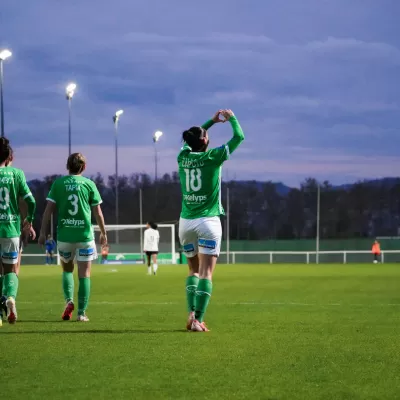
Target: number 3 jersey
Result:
[[74, 196], [200, 176], [13, 186]]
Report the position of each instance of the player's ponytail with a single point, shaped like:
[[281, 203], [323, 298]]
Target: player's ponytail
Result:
[[6, 152], [195, 138], [76, 163]]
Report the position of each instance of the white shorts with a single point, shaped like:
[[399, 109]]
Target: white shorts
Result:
[[84, 251], [9, 249], [200, 235]]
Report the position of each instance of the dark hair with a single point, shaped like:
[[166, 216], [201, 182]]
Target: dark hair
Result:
[[153, 225], [6, 152], [194, 137], [76, 163]]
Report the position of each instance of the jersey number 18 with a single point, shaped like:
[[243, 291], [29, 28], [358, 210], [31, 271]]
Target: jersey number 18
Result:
[[193, 179]]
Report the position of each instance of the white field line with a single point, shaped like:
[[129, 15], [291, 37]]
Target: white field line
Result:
[[251, 303]]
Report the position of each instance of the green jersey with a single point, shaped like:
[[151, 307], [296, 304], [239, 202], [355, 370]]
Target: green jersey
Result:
[[200, 176], [13, 186], [74, 196]]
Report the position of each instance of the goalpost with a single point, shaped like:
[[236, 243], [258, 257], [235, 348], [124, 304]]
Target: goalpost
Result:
[[126, 244]]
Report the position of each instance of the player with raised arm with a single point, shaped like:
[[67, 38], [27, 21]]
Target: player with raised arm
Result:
[[200, 230], [151, 241], [75, 198], [13, 186]]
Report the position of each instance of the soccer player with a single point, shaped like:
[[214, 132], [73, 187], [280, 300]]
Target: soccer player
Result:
[[13, 186], [50, 247], [151, 241], [376, 251], [200, 230], [75, 198]]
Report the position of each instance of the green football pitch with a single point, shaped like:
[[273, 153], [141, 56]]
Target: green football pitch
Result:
[[277, 332]]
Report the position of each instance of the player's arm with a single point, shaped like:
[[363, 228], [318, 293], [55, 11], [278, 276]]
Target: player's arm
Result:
[[50, 208], [214, 120], [98, 214], [238, 135], [95, 203], [26, 195]]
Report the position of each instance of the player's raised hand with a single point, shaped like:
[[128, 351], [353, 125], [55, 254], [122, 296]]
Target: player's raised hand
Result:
[[217, 117], [227, 114]]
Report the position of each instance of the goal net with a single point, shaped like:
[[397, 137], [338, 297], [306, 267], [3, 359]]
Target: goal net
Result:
[[126, 244]]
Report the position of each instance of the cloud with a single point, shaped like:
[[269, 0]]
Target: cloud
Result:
[[321, 76]]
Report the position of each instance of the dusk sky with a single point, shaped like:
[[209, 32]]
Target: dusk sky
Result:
[[314, 83]]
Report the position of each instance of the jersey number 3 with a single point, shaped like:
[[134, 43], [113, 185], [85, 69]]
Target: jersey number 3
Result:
[[193, 179], [73, 198]]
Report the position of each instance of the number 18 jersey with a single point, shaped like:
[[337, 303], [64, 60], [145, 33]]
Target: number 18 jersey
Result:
[[74, 196], [200, 178]]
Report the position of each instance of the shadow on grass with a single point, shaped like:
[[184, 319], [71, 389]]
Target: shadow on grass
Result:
[[92, 331]]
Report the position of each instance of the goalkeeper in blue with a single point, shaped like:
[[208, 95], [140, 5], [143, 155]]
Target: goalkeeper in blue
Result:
[[50, 245]]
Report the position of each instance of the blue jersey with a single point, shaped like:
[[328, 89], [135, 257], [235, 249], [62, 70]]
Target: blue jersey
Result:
[[50, 245]]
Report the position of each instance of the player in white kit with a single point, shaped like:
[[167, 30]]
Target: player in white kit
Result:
[[151, 241]]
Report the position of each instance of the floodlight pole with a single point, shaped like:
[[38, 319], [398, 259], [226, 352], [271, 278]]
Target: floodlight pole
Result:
[[115, 119], [228, 216], [1, 98], [69, 126], [141, 222], [318, 224]]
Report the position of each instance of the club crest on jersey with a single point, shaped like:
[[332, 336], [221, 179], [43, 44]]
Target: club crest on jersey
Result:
[[207, 243]]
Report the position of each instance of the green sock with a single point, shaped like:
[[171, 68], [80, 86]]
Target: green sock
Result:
[[191, 286], [68, 286], [203, 294], [1, 285], [10, 285], [83, 295]]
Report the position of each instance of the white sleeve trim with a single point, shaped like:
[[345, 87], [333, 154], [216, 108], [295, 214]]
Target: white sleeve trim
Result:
[[27, 195], [227, 151], [94, 205], [49, 199]]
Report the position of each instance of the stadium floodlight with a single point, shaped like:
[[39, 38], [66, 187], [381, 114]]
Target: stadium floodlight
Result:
[[4, 54], [116, 119], [70, 90], [156, 137], [69, 93], [118, 114]]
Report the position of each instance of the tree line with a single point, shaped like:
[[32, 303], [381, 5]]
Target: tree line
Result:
[[258, 210]]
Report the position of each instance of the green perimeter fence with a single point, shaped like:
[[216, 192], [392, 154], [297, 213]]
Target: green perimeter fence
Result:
[[284, 251]]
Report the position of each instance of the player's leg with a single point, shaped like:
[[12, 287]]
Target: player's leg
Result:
[[86, 253], [188, 240], [9, 258], [210, 235], [67, 252], [155, 265], [148, 258]]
